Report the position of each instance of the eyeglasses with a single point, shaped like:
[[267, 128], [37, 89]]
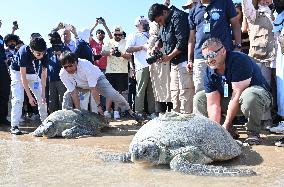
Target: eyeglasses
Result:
[[68, 66], [100, 33], [212, 54], [118, 34]]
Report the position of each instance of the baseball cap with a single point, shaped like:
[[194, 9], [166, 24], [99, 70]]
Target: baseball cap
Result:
[[141, 19], [118, 29]]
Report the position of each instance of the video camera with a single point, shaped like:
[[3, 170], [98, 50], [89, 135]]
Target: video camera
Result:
[[100, 20], [15, 24], [152, 59]]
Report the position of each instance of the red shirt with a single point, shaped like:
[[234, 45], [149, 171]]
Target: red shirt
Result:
[[97, 48]]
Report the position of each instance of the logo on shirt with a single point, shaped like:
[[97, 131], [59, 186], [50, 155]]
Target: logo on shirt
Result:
[[215, 16]]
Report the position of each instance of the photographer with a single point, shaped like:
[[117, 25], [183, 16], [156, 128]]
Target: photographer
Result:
[[56, 87], [11, 42], [117, 67], [136, 44], [174, 37], [98, 45]]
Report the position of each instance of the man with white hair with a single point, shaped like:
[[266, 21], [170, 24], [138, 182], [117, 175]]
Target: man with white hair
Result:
[[136, 44]]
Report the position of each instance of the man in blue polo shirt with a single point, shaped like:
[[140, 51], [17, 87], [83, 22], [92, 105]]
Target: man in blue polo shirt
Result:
[[25, 77], [211, 18], [231, 88]]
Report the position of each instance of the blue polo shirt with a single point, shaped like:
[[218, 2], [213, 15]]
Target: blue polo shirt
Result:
[[25, 58], [219, 14], [2, 54], [54, 65], [238, 67]]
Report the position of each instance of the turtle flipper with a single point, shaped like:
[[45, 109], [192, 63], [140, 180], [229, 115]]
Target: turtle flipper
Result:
[[181, 164], [79, 130]]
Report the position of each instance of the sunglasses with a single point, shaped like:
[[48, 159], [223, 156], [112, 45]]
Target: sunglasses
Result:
[[68, 66], [212, 54], [100, 33], [118, 34]]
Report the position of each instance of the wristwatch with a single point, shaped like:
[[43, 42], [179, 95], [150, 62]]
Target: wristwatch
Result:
[[238, 46]]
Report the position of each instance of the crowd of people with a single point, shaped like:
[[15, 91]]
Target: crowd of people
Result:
[[221, 59]]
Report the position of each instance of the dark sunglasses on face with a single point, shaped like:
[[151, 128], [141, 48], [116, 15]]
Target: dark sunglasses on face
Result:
[[100, 33], [118, 34], [212, 54]]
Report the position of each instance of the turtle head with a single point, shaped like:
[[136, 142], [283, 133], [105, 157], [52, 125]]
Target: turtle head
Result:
[[49, 130], [146, 152]]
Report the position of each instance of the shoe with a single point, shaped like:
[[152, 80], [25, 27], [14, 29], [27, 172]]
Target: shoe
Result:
[[280, 143], [15, 130], [116, 115], [107, 114], [137, 116], [253, 139], [279, 128], [152, 116]]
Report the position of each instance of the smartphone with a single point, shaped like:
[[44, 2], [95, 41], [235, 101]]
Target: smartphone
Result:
[[15, 24]]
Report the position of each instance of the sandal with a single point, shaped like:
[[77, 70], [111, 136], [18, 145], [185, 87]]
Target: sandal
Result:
[[234, 132], [253, 139]]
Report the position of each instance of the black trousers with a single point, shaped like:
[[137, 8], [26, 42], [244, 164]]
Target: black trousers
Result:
[[5, 82]]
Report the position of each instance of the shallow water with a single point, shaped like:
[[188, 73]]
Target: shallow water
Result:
[[30, 161]]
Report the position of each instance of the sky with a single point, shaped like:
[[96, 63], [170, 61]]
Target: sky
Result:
[[43, 15]]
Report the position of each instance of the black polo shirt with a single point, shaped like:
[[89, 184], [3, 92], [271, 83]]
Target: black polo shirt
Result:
[[238, 67], [25, 58], [219, 14], [175, 34]]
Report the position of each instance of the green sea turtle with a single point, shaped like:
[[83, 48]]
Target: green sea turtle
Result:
[[71, 124], [187, 143]]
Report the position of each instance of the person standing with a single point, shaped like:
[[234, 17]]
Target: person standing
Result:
[[117, 67], [25, 77], [136, 44], [174, 37]]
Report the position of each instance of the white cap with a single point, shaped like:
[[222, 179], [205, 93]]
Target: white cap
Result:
[[141, 19], [118, 29]]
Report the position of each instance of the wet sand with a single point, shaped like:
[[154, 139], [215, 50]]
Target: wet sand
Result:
[[31, 161]]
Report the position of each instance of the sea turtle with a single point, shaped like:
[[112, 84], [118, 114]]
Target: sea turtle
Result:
[[71, 124], [187, 143]]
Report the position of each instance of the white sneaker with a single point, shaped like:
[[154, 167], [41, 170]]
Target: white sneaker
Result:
[[107, 114], [152, 116], [279, 128], [116, 115]]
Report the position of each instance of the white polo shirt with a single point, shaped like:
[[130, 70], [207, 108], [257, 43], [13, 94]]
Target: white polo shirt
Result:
[[85, 77], [138, 39]]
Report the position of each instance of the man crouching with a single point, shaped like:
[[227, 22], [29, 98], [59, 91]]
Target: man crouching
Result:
[[82, 78], [233, 84]]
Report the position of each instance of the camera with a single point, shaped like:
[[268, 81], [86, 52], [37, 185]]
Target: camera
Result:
[[15, 24], [116, 52], [155, 57], [57, 47], [100, 20]]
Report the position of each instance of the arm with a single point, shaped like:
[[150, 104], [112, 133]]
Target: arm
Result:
[[93, 28], [214, 106], [107, 29], [96, 96], [43, 83], [233, 107], [236, 30], [191, 44], [248, 10], [24, 80], [75, 98], [134, 49]]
